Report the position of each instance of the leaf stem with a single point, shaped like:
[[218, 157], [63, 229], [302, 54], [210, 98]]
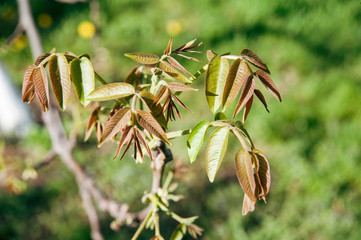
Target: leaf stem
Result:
[[99, 78], [175, 134], [197, 74], [142, 225]]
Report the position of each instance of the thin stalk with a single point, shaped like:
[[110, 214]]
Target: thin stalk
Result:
[[142, 225], [100, 79], [175, 134], [197, 74]]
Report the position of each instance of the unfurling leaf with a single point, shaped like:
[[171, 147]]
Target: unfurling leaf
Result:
[[237, 75], [254, 59], [116, 123], [210, 55], [220, 116], [154, 108], [149, 123], [126, 138], [248, 205], [244, 171], [268, 83], [91, 123], [247, 109], [59, 72], [28, 84], [261, 98], [41, 87], [143, 58], [177, 65], [173, 72], [196, 139], [111, 91], [215, 81], [216, 149], [41, 58], [179, 232], [178, 87], [83, 78], [264, 172], [168, 49], [141, 137], [246, 94]]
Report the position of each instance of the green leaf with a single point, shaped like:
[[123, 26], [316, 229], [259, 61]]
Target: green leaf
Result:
[[215, 81], [216, 150], [59, 72], [196, 139], [82, 76], [244, 171], [115, 124], [179, 232], [143, 58], [220, 116], [111, 91], [237, 75]]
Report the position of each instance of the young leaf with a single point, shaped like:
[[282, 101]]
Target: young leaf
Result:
[[143, 58], [179, 232], [254, 59], [210, 55], [116, 123], [155, 108], [196, 139], [173, 72], [216, 149], [28, 83], [246, 94], [244, 171], [83, 78], [149, 123], [247, 109], [91, 123], [126, 138], [178, 87], [141, 137], [261, 98], [248, 205], [177, 65], [111, 91], [215, 81], [220, 116], [41, 87], [264, 171], [41, 58], [268, 83], [168, 49], [237, 75], [59, 72]]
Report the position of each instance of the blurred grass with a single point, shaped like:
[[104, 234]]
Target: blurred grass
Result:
[[312, 139]]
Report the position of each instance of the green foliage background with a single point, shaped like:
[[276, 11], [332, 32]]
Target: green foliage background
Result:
[[312, 139]]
